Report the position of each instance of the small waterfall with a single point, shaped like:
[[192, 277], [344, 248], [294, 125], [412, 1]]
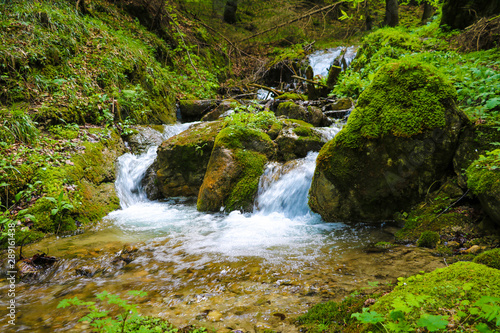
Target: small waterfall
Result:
[[283, 188], [321, 60], [132, 168]]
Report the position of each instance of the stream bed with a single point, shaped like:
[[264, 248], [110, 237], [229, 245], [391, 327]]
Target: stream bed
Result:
[[246, 271]]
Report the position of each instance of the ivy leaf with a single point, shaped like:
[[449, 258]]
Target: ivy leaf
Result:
[[432, 323]]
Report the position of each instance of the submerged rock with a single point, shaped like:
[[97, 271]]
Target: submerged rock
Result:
[[182, 160], [400, 139]]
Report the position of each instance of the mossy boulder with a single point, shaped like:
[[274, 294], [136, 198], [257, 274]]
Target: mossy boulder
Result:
[[237, 162], [442, 293], [295, 140], [490, 258], [484, 181], [399, 139], [310, 114], [182, 160]]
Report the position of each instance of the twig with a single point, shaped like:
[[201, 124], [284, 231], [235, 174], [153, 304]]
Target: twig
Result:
[[293, 20], [309, 81], [274, 91]]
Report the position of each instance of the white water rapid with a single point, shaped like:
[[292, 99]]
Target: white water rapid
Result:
[[281, 225]]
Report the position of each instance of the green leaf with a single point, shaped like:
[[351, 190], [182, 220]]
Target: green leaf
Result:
[[397, 315], [368, 317], [54, 211], [483, 328], [432, 323]]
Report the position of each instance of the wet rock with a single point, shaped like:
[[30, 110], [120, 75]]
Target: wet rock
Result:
[[183, 159], [88, 271], [390, 151], [194, 110], [295, 140], [145, 137], [310, 114], [31, 267], [150, 183]]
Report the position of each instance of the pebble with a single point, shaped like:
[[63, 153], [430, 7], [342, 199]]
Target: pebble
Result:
[[214, 316]]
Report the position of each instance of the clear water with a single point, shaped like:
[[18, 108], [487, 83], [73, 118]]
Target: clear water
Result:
[[282, 258]]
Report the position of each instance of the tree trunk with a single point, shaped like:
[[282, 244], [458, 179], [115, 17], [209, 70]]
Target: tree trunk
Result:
[[391, 13], [368, 17], [428, 12], [230, 11]]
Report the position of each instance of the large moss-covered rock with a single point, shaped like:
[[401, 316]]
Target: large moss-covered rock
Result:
[[400, 138], [233, 172], [182, 160], [456, 286], [484, 181]]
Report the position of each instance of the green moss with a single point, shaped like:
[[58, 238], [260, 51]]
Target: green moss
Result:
[[484, 173], [489, 258], [444, 290], [334, 316], [404, 99], [299, 122], [428, 239], [243, 192], [292, 96]]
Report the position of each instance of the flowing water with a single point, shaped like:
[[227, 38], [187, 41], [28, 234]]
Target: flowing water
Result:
[[321, 60], [248, 271]]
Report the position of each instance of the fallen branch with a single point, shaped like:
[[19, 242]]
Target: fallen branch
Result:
[[274, 91], [309, 81], [293, 20]]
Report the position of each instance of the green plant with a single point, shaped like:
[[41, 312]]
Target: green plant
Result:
[[17, 125], [61, 207], [128, 318]]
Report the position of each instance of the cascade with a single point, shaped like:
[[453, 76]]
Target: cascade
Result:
[[132, 168], [321, 60]]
